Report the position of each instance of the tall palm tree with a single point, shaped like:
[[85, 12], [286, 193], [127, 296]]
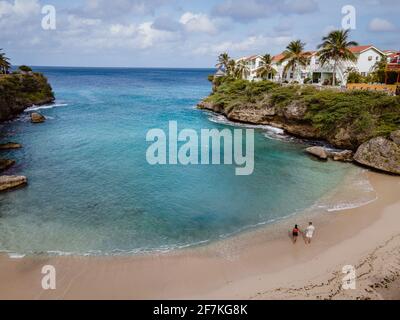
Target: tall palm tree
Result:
[[336, 47], [5, 65], [223, 61], [231, 68], [266, 67], [241, 70], [295, 56]]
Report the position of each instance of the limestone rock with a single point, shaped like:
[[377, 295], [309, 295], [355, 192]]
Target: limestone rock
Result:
[[318, 152], [37, 118], [295, 111], [6, 163], [395, 136], [380, 153], [10, 145], [10, 182], [345, 155]]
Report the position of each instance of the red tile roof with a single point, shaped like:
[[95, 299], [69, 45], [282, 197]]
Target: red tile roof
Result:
[[278, 57], [359, 49]]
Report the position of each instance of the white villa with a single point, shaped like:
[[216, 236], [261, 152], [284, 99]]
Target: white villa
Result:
[[367, 56]]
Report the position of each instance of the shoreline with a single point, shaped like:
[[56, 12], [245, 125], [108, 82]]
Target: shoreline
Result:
[[247, 266]]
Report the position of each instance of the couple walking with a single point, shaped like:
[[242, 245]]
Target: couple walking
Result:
[[309, 232]]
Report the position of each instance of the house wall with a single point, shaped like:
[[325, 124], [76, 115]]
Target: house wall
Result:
[[366, 61]]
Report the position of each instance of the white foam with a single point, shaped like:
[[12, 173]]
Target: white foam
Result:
[[13, 255], [270, 132], [49, 106]]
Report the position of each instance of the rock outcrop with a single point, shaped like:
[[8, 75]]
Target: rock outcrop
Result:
[[20, 91], [11, 182], [380, 153], [344, 156], [37, 118], [6, 163], [395, 136], [318, 152], [10, 146]]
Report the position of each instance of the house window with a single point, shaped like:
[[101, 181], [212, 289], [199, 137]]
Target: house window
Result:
[[370, 58], [364, 74], [377, 58], [291, 75]]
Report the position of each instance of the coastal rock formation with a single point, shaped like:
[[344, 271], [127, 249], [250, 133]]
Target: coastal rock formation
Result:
[[37, 118], [10, 145], [395, 136], [318, 152], [342, 139], [345, 155], [11, 182], [6, 163], [295, 111], [22, 90], [380, 153]]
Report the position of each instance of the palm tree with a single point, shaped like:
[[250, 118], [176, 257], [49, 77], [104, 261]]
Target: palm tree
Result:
[[379, 71], [335, 47], [231, 68], [4, 63], [295, 56], [223, 61], [266, 67], [241, 70]]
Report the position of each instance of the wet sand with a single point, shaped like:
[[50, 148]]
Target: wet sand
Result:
[[254, 265]]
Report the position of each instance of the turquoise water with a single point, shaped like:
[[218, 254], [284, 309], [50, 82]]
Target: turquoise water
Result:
[[91, 189]]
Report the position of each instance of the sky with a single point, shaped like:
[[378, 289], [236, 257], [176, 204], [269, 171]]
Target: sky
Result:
[[181, 33]]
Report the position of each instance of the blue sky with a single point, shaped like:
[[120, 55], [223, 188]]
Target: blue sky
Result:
[[181, 33]]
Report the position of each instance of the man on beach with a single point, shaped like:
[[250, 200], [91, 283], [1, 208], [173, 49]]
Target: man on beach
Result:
[[309, 233]]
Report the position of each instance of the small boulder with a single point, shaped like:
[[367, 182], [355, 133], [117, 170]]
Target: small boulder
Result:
[[318, 152], [11, 182], [380, 153], [395, 136], [10, 145], [37, 118], [6, 163], [345, 156]]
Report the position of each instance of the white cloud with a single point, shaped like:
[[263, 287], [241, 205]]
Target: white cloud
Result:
[[249, 45], [121, 30], [381, 25], [197, 23], [20, 8]]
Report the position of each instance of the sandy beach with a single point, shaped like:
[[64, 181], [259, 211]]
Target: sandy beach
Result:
[[254, 265]]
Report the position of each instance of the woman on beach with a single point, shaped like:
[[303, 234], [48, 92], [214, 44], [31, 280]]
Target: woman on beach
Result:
[[295, 233]]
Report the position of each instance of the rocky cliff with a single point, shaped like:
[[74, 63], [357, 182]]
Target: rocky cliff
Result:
[[22, 90], [347, 120]]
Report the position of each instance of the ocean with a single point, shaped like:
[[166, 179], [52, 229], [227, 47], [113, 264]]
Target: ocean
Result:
[[92, 192]]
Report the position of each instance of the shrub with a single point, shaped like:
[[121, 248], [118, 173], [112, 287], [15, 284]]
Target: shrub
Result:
[[25, 68]]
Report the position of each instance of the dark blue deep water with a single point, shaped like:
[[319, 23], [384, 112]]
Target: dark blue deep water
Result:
[[91, 189]]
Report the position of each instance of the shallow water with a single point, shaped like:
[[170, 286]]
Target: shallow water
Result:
[[91, 189]]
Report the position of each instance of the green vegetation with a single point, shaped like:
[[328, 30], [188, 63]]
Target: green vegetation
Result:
[[19, 91], [363, 114], [25, 69]]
